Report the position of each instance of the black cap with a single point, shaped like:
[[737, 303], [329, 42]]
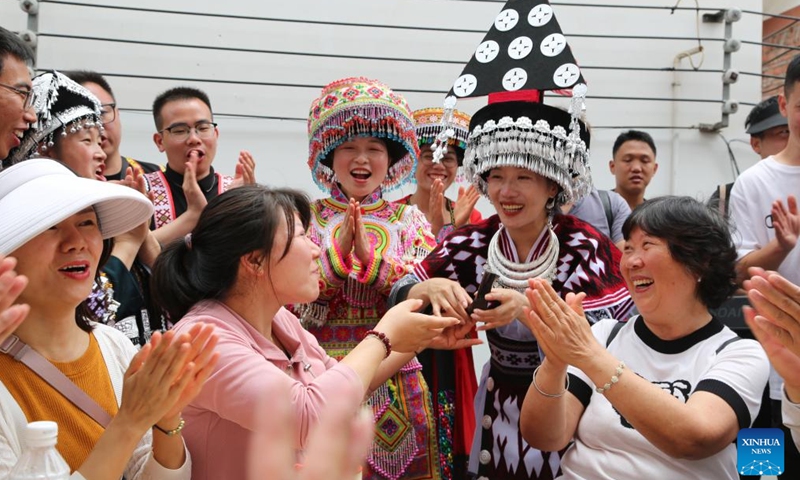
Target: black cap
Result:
[[764, 116]]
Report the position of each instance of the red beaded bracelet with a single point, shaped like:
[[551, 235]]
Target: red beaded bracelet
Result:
[[387, 345]]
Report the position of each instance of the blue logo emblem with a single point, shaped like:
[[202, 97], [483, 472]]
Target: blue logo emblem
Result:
[[760, 451]]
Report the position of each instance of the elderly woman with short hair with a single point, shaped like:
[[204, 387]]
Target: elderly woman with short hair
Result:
[[670, 385]]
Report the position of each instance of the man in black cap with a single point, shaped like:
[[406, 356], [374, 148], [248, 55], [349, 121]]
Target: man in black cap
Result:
[[769, 132]]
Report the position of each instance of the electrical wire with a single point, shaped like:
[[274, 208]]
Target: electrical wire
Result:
[[340, 56], [304, 120], [369, 25], [699, 42], [731, 155]]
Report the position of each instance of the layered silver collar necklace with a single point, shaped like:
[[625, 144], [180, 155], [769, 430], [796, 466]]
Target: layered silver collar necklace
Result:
[[515, 275]]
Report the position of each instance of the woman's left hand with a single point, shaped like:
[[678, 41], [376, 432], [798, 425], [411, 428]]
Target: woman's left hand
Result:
[[511, 306], [560, 326]]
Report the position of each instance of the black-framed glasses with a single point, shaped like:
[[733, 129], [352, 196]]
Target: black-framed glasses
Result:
[[27, 95], [108, 112], [182, 131]]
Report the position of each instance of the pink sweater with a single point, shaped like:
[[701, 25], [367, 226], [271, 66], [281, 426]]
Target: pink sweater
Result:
[[219, 420]]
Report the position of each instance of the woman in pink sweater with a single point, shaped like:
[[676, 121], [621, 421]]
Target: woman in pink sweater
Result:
[[248, 257]]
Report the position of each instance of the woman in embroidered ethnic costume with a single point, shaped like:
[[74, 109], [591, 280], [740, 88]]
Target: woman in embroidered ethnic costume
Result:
[[665, 394], [452, 404], [59, 241], [526, 171], [362, 143]]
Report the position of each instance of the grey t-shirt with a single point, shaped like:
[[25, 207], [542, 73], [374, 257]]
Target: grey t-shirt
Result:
[[590, 210]]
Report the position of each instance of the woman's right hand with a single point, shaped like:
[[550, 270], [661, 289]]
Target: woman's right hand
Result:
[[409, 331], [11, 285], [156, 378]]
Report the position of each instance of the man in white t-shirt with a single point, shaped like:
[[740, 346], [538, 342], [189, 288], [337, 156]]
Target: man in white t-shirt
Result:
[[765, 215]]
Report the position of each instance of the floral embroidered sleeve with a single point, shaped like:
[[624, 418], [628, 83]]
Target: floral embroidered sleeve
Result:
[[334, 268], [416, 242]]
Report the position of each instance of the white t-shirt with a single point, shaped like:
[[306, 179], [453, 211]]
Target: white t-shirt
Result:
[[713, 359], [751, 204]]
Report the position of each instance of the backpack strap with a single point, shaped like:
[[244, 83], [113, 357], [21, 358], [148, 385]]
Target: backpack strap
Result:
[[728, 342], [614, 331], [723, 199], [606, 200]]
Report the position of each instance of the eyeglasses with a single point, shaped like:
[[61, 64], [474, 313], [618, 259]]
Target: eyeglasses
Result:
[[27, 95], [108, 112], [449, 161], [182, 131]]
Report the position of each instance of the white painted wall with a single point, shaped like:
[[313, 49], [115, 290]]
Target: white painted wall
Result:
[[280, 146]]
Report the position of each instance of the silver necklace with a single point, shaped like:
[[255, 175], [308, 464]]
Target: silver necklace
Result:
[[515, 275]]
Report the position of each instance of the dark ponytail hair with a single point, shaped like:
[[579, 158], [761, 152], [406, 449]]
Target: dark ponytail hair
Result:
[[238, 222]]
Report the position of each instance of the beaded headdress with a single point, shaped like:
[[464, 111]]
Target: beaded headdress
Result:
[[59, 102], [429, 127], [354, 107], [523, 55], [530, 135]]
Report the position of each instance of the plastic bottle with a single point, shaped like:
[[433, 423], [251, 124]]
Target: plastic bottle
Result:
[[40, 460]]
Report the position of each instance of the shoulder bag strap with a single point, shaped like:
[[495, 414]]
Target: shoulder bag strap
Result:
[[21, 352], [604, 198]]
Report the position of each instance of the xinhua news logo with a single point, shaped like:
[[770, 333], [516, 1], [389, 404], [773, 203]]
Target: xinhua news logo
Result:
[[760, 451]]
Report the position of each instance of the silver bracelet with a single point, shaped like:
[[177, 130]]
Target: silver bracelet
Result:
[[614, 379], [544, 394]]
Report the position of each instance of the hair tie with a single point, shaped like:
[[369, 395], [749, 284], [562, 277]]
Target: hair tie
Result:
[[187, 240]]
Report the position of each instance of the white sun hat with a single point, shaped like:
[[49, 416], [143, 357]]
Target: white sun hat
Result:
[[38, 194]]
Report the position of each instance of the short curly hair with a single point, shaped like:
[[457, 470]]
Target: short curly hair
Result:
[[698, 238]]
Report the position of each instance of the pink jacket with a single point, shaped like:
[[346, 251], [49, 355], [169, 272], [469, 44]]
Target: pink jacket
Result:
[[219, 420]]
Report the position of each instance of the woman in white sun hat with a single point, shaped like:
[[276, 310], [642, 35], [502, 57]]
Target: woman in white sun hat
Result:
[[59, 365]]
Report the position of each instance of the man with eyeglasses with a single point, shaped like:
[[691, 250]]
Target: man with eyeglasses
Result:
[[116, 165], [16, 99], [186, 132], [16, 116]]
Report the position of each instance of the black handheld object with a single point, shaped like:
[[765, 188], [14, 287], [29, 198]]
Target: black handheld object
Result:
[[485, 287]]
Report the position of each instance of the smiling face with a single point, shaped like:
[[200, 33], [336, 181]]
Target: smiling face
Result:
[[633, 165], [427, 171], [202, 150], [14, 118], [295, 277], [112, 131], [62, 259], [655, 280], [82, 152], [519, 196], [360, 165]]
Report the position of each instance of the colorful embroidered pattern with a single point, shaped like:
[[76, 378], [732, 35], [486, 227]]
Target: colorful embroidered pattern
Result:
[[354, 107], [162, 195], [351, 302], [428, 123]]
